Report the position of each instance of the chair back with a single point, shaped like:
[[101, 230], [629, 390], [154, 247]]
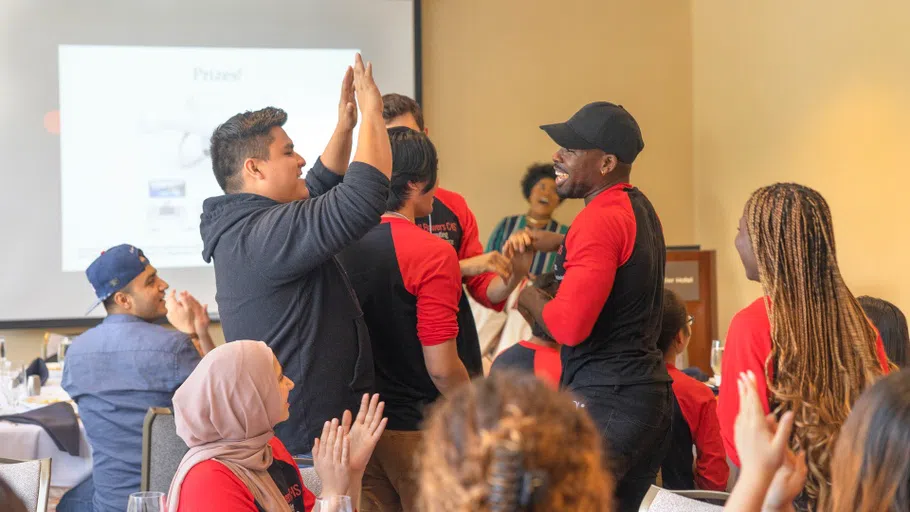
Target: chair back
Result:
[[30, 480], [162, 450], [665, 500], [311, 480]]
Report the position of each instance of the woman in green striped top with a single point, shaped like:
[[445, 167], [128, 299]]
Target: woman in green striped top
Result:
[[539, 188]]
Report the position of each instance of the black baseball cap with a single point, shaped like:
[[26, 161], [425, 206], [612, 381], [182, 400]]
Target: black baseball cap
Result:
[[600, 125]]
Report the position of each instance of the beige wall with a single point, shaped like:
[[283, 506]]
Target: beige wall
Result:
[[23, 345], [496, 70], [813, 92]]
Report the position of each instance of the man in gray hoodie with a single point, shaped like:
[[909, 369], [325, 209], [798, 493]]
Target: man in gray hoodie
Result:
[[274, 237]]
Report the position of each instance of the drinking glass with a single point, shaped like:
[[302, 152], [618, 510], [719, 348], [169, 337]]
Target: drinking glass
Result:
[[333, 504], [65, 344], [14, 384], [717, 356], [146, 502]]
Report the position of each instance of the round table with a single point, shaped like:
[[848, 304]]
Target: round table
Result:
[[28, 442]]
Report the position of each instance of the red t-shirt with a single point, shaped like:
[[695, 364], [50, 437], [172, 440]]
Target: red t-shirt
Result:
[[747, 347], [210, 485], [699, 408]]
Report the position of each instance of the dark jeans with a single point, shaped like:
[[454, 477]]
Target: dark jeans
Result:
[[635, 424], [79, 498]]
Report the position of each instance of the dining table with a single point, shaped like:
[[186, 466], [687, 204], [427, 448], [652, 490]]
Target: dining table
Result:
[[21, 441]]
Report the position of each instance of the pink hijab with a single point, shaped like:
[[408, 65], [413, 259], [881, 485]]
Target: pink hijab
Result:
[[225, 411]]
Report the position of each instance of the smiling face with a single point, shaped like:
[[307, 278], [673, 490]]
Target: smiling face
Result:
[[579, 172], [285, 385], [543, 199], [143, 296], [280, 176]]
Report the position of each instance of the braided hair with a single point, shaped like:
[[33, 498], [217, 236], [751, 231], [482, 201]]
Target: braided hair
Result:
[[823, 348], [509, 443]]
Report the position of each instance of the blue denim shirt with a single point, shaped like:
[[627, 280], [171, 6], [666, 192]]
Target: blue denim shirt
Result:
[[115, 372]]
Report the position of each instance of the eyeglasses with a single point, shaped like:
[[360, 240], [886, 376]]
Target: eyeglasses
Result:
[[690, 320]]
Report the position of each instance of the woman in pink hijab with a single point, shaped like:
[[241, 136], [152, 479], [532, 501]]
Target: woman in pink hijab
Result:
[[226, 411]]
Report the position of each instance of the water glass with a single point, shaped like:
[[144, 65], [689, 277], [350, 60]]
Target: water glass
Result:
[[146, 502], [333, 504], [717, 356], [64, 346], [12, 380]]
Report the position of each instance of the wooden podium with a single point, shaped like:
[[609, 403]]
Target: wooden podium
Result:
[[691, 274]]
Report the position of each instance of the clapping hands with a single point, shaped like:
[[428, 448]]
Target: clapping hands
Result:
[[763, 446], [185, 313], [332, 460], [365, 431], [341, 454]]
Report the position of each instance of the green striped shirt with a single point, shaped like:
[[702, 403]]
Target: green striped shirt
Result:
[[543, 262]]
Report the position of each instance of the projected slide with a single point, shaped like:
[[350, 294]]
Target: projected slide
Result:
[[135, 124]]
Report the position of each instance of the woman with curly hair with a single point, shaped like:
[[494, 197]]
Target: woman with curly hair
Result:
[[500, 330], [510, 443], [539, 188], [807, 339]]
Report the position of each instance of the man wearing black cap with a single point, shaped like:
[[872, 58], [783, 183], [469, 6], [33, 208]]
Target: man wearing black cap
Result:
[[607, 312]]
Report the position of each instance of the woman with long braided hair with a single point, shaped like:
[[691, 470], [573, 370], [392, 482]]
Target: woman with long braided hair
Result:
[[509, 443], [807, 339]]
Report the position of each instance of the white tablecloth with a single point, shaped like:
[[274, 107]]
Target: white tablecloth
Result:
[[26, 442]]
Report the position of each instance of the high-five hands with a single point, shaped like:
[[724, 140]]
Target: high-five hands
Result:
[[347, 105], [369, 99], [373, 146]]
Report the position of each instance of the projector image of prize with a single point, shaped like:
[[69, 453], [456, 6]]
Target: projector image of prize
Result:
[[167, 188], [145, 84]]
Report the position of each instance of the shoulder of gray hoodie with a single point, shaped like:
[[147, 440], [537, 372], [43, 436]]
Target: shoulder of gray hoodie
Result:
[[284, 241]]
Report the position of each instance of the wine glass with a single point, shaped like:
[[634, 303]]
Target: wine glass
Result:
[[717, 356], [146, 502], [333, 504]]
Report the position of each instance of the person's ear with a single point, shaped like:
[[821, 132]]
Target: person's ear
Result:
[[251, 169], [608, 163], [123, 301], [679, 341]]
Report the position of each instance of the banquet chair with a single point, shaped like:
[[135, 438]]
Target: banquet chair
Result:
[[308, 473], [162, 450], [311, 480], [30, 480], [664, 500]]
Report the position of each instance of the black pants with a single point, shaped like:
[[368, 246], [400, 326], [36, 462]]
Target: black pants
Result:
[[635, 424]]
